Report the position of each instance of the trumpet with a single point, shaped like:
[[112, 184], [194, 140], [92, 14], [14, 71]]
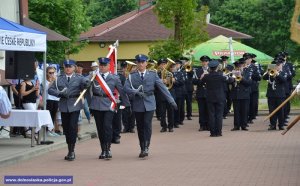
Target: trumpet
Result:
[[188, 66], [236, 74], [272, 71]]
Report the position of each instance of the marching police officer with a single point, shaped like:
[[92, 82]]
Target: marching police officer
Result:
[[276, 93], [201, 93], [68, 87], [101, 105], [215, 97], [141, 85]]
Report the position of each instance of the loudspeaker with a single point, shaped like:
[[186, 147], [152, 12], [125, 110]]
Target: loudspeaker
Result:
[[19, 65]]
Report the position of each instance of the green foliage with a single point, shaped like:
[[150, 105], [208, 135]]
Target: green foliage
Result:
[[168, 48], [101, 11], [268, 21], [67, 17], [188, 24]]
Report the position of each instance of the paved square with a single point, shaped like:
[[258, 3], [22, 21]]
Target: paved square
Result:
[[185, 157]]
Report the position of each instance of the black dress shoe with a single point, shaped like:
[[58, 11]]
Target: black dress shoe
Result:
[[234, 129], [219, 135], [102, 155], [201, 129], [285, 124], [70, 156], [272, 128], [108, 154], [224, 117], [250, 121], [181, 123], [171, 130], [116, 141], [244, 128], [163, 130], [281, 128], [124, 131], [131, 131], [213, 135], [176, 126], [189, 118]]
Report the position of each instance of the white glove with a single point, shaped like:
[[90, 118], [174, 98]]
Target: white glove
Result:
[[298, 89]]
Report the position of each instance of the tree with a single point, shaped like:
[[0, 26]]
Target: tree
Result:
[[189, 25], [101, 11], [268, 21], [67, 17]]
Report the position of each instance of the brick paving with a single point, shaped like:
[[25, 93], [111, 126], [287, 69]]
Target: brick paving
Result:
[[186, 157]]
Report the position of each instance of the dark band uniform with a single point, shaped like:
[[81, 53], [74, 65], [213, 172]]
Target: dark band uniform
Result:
[[240, 94], [276, 95], [143, 104], [201, 96], [69, 91], [215, 97]]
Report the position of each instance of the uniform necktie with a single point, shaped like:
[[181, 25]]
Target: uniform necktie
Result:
[[142, 76], [69, 79]]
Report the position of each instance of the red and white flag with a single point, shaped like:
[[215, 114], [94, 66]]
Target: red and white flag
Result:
[[107, 90], [112, 55]]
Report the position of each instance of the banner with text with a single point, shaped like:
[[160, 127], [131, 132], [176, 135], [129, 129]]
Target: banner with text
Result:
[[22, 41]]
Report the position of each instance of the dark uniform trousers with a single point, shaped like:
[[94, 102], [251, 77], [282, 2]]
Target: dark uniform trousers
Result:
[[157, 102], [273, 104], [240, 107], [215, 112], [166, 108], [117, 124], [128, 119], [253, 105], [227, 103], [144, 125], [188, 100], [104, 125], [70, 125], [179, 114], [203, 113]]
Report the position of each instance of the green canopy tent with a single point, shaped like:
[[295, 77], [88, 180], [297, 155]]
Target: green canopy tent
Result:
[[219, 46]]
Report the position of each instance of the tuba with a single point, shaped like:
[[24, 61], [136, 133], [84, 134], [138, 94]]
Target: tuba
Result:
[[167, 75], [129, 67], [152, 65]]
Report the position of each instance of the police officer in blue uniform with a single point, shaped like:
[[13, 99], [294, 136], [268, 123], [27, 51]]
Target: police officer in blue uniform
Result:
[[215, 97], [68, 87], [141, 84], [101, 106], [201, 93], [276, 93]]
